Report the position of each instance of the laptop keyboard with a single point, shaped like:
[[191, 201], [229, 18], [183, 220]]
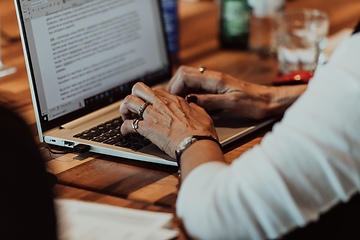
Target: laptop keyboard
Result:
[[109, 133]]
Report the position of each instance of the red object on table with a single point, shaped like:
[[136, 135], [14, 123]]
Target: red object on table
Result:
[[294, 78]]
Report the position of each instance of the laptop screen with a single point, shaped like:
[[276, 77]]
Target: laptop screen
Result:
[[85, 54]]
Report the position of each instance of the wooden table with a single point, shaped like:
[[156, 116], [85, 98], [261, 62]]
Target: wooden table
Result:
[[135, 184]]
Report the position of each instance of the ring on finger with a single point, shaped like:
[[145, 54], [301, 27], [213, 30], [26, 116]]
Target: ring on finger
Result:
[[135, 125], [202, 69], [142, 109]]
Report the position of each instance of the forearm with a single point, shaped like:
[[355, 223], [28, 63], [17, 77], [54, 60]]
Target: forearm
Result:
[[280, 98], [285, 182], [198, 153]]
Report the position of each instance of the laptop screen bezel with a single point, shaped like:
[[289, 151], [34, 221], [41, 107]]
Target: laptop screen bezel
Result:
[[56, 123]]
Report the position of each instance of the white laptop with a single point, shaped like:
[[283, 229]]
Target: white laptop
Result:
[[82, 58]]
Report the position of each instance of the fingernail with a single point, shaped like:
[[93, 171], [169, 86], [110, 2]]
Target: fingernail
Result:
[[191, 98]]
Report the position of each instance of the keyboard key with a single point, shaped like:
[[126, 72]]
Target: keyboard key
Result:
[[93, 129], [100, 139], [103, 129], [117, 121], [130, 140], [110, 134], [86, 137], [77, 135], [90, 135], [135, 146], [136, 136], [122, 144], [144, 142], [112, 141], [109, 129]]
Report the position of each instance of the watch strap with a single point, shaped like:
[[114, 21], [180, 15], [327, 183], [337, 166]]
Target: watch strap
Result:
[[189, 141]]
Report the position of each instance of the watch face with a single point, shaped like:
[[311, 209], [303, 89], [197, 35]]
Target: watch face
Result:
[[184, 143], [182, 146]]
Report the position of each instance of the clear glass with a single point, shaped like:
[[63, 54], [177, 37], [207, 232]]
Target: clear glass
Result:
[[4, 69], [262, 37], [300, 39]]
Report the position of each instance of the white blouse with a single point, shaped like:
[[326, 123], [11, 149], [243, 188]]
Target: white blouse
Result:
[[306, 165]]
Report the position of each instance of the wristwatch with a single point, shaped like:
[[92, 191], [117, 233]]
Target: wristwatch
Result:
[[187, 143]]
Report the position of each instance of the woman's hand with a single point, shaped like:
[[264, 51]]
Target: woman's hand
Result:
[[167, 121], [226, 92]]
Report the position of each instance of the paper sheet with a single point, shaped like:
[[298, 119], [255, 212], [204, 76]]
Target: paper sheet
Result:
[[79, 220]]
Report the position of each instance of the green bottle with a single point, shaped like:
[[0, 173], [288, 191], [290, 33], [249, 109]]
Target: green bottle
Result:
[[234, 24]]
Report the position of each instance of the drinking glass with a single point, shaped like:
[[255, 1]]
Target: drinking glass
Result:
[[300, 39]]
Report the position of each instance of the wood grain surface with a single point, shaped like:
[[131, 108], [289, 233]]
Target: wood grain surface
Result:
[[131, 183]]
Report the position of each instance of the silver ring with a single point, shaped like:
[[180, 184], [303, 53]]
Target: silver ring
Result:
[[135, 125], [202, 69], [142, 109]]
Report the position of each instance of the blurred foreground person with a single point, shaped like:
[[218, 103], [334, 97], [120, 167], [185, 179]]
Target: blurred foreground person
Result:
[[26, 203]]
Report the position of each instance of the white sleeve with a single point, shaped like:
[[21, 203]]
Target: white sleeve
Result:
[[306, 165]]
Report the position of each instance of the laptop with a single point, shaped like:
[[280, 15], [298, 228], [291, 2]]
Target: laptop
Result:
[[83, 57]]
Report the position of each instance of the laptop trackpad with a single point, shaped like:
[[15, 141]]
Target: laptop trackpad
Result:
[[231, 127], [153, 150]]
